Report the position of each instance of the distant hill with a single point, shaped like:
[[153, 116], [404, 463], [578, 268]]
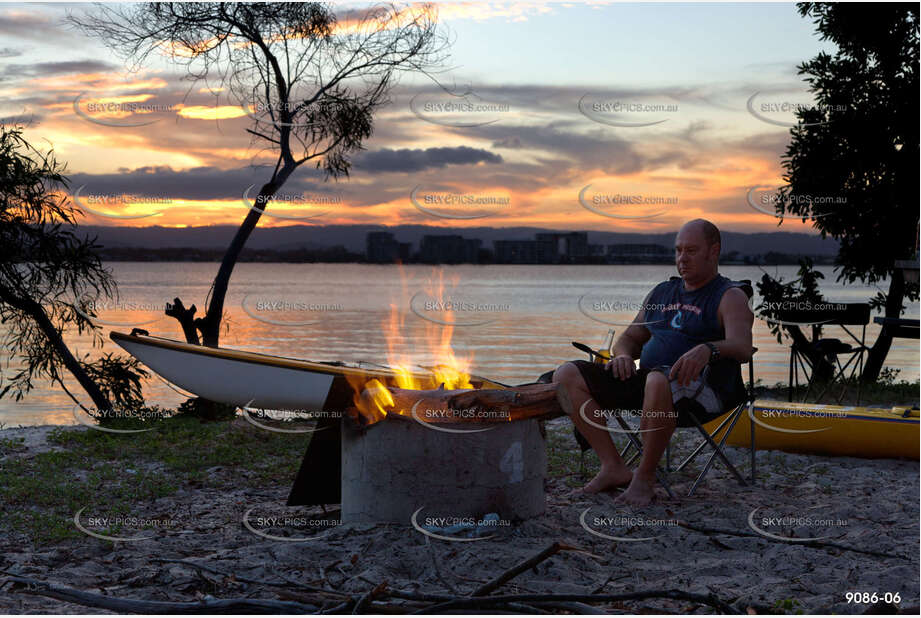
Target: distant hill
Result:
[[352, 237]]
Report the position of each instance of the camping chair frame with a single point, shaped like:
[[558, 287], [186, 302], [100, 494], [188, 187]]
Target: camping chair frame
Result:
[[857, 314], [708, 439], [634, 442]]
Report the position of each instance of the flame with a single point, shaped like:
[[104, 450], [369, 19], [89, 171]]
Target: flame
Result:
[[450, 371], [373, 400]]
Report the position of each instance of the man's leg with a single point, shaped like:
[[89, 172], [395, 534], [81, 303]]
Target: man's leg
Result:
[[614, 472], [659, 424]]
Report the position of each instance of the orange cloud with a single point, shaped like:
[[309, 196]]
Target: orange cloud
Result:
[[514, 11], [205, 112], [99, 82]]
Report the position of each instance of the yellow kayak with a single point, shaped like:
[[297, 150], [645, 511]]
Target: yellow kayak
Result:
[[829, 430]]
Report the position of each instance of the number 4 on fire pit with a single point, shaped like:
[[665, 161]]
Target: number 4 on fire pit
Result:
[[512, 463]]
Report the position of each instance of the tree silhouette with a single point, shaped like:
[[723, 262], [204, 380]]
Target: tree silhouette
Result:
[[312, 82], [859, 144], [49, 280]]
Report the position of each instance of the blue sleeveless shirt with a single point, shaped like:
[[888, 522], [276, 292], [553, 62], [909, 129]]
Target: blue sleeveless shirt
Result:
[[679, 320]]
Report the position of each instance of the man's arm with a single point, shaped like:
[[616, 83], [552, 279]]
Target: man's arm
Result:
[[736, 318], [629, 345]]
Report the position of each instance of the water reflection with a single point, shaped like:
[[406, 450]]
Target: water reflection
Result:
[[347, 306]]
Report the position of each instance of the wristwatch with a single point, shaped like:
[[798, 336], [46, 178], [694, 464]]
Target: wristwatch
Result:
[[714, 352]]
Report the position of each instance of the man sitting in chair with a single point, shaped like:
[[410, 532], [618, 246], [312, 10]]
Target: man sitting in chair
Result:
[[691, 334]]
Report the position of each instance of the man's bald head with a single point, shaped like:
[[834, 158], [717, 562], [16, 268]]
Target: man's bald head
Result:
[[697, 252], [710, 232]]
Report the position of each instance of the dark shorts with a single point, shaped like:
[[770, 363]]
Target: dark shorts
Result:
[[612, 393]]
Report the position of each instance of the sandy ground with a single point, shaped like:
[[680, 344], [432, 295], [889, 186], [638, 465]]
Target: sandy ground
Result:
[[870, 505]]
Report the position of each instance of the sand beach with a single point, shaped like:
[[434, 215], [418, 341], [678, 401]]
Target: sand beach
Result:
[[811, 530]]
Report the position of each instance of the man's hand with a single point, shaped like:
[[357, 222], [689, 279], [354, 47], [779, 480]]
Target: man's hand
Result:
[[621, 366], [687, 368]]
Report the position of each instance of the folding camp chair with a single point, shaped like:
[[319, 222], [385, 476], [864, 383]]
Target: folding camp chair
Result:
[[841, 315], [713, 440], [728, 424]]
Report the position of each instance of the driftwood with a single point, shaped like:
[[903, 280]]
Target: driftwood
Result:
[[800, 542], [135, 606], [284, 583], [447, 584], [365, 600], [521, 567], [710, 600], [518, 602], [469, 405]]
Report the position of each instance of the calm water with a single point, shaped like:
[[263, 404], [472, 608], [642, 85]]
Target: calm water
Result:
[[515, 322]]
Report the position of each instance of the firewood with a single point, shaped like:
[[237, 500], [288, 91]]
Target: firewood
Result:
[[466, 405]]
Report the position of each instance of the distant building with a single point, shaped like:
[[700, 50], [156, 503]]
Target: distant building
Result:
[[576, 245], [639, 252], [597, 251], [556, 247], [449, 249], [382, 247], [546, 248], [516, 251]]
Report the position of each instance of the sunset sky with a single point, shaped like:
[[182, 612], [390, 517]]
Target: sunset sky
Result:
[[699, 64]]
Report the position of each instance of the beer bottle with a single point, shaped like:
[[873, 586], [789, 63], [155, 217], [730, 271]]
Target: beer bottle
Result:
[[604, 354]]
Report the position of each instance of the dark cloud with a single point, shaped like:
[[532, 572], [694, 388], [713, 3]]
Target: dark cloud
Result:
[[199, 183], [212, 183], [594, 150], [9, 52], [45, 69], [533, 98], [765, 145], [787, 68], [416, 160], [32, 26]]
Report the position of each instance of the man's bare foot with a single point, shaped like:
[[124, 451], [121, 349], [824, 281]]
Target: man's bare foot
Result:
[[608, 478], [640, 492]]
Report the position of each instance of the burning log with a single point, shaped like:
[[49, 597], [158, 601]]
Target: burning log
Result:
[[460, 406]]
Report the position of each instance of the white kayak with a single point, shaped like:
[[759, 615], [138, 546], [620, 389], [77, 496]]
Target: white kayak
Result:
[[262, 381]]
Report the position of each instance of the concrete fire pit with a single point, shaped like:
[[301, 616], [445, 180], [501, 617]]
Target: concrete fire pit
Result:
[[397, 466]]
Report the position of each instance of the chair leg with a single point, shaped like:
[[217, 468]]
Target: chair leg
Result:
[[627, 449], [751, 409], [808, 375], [840, 375], [844, 378], [751, 445], [718, 451], [790, 379], [860, 369], [629, 461], [856, 372], [639, 448], [701, 446]]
